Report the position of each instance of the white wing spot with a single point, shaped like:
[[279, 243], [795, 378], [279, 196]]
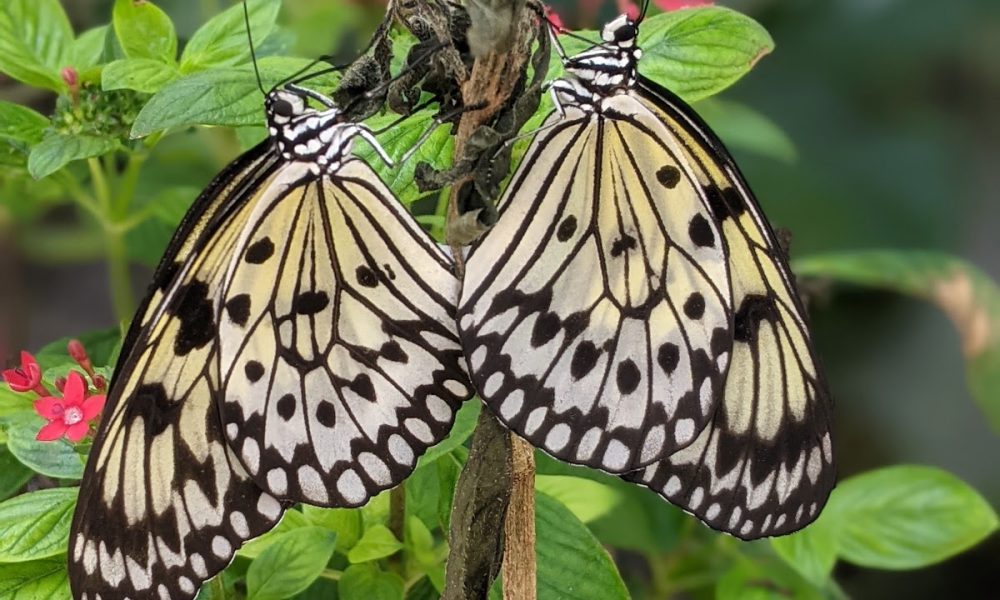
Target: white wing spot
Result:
[[312, 484], [767, 523], [232, 430], [684, 431], [268, 506], [705, 395], [493, 384], [615, 455], [713, 511], [186, 585], [251, 454], [511, 406], [696, 497], [439, 409], [221, 547], [535, 419], [478, 358], [90, 557], [747, 526], [652, 446], [163, 592], [351, 488], [198, 565], [735, 517], [588, 443], [779, 522], [400, 450], [375, 468], [673, 485], [277, 481], [419, 429], [558, 437], [721, 361], [141, 578], [239, 524], [456, 387]]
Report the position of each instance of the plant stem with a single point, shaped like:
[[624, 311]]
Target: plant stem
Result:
[[119, 277], [100, 184], [397, 522]]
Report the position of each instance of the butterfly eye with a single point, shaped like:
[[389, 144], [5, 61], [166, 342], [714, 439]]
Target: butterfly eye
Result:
[[282, 108], [625, 33]]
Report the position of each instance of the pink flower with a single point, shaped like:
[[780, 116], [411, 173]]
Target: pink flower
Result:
[[669, 5], [628, 7], [554, 19], [27, 377], [69, 416]]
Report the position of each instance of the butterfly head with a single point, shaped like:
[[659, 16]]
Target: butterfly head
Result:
[[283, 105], [621, 32]]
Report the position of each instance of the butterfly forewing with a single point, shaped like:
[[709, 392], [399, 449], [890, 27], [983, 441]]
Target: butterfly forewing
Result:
[[164, 503], [338, 352], [595, 314], [765, 464]]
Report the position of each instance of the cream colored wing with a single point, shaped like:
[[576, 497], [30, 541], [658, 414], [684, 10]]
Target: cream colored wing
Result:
[[164, 504], [595, 314], [765, 464], [339, 358]]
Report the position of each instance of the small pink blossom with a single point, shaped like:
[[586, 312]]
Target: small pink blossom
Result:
[[27, 377], [554, 19], [669, 5], [69, 416], [629, 8]]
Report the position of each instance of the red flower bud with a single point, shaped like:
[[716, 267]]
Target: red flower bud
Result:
[[78, 353], [70, 77], [27, 377], [60, 384]]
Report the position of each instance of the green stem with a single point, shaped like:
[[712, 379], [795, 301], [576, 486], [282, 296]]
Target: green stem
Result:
[[120, 279], [126, 188], [100, 184]]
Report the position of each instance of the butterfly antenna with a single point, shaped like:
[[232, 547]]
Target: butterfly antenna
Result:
[[253, 53], [642, 13]]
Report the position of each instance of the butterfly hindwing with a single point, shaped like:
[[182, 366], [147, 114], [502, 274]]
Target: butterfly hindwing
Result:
[[164, 503], [595, 314], [339, 356], [765, 464]]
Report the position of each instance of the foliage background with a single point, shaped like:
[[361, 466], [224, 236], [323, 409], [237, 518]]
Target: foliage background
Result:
[[890, 112]]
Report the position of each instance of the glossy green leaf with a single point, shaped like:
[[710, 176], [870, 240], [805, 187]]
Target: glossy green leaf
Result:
[[227, 97], [57, 150], [368, 582], [88, 47], [290, 521], [13, 475], [36, 525], [586, 499], [377, 542], [963, 292], [144, 31], [699, 52], [740, 126], [20, 123], [906, 517], [571, 562], [222, 41], [747, 580], [101, 345], [811, 551], [36, 580], [56, 459], [140, 74], [35, 42], [345, 522], [465, 423], [291, 564]]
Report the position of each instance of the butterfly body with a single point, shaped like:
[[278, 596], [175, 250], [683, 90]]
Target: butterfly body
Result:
[[632, 311]]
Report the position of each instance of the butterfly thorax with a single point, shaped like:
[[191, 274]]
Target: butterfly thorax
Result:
[[299, 133], [603, 71]]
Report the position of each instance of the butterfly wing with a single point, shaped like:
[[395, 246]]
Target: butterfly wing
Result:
[[339, 356], [164, 504], [595, 313], [764, 466]]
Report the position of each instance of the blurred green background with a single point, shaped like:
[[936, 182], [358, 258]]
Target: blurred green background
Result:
[[893, 107]]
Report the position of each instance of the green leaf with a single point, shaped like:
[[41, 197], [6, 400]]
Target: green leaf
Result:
[[811, 551], [368, 582], [571, 562], [36, 525], [89, 47], [57, 150], [377, 542], [963, 292], [21, 123], [226, 97], [465, 423], [748, 580], [140, 74], [55, 459], [35, 41], [102, 347], [419, 542], [586, 499], [144, 31], [13, 475], [291, 564], [36, 580], [345, 522], [222, 41], [740, 126], [292, 520], [906, 517], [699, 52], [397, 140]]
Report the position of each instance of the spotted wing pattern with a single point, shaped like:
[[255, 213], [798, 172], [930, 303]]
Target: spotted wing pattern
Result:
[[339, 357], [764, 466], [595, 314], [165, 503]]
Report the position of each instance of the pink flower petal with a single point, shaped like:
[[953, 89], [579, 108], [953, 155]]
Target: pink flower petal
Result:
[[51, 432], [93, 406], [50, 407], [75, 433], [75, 389]]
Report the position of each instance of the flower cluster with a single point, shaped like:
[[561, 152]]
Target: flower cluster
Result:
[[72, 414]]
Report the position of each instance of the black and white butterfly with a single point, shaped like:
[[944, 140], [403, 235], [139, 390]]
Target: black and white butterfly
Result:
[[631, 310], [297, 345]]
